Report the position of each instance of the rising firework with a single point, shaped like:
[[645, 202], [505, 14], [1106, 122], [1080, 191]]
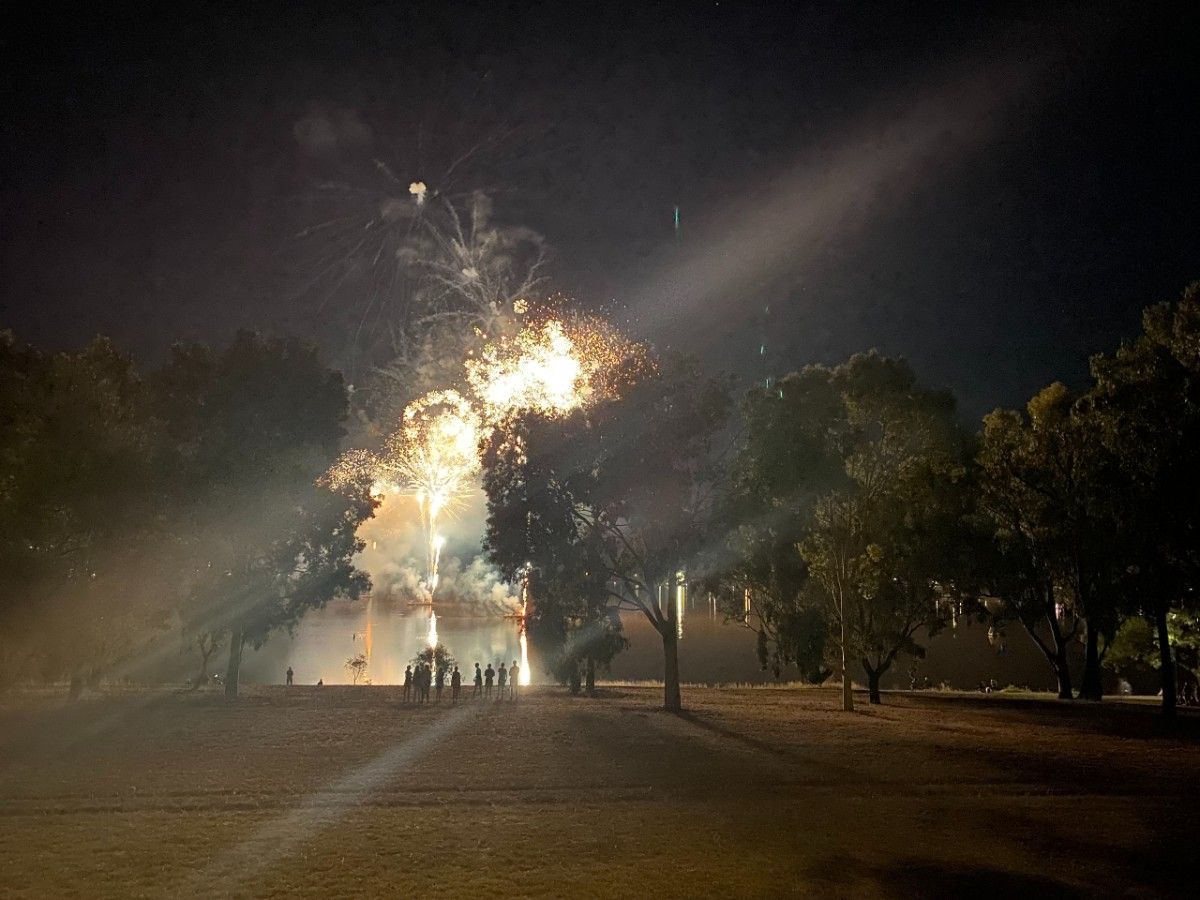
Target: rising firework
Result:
[[434, 456]]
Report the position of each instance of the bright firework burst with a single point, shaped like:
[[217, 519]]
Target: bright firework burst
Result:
[[554, 365], [557, 363]]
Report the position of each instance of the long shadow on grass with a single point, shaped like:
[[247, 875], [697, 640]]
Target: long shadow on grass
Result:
[[951, 881]]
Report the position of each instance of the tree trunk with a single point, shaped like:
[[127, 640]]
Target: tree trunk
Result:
[[847, 687], [235, 664], [1057, 657], [1091, 687], [76, 687], [1166, 665], [591, 676], [1062, 668], [671, 699], [873, 676], [1062, 671]]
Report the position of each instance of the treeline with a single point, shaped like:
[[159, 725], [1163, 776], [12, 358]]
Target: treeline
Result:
[[845, 513], [142, 513]]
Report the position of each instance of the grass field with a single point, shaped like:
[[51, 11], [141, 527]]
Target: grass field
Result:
[[340, 791]]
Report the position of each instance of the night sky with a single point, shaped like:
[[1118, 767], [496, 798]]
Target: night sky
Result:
[[993, 191]]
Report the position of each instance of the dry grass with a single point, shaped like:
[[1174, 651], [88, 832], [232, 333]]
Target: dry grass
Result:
[[340, 791]]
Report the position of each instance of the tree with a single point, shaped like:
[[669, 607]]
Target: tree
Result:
[[783, 463], [435, 657], [1053, 492], [534, 539], [644, 497], [629, 484], [255, 426], [1146, 401], [357, 667], [844, 511], [206, 644], [84, 556], [885, 548]]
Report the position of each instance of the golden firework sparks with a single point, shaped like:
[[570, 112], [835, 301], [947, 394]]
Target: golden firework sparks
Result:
[[553, 366]]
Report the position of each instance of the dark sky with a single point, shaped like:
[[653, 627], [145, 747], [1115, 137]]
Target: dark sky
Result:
[[993, 191]]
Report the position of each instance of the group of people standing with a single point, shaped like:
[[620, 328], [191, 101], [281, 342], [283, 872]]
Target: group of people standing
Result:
[[418, 681]]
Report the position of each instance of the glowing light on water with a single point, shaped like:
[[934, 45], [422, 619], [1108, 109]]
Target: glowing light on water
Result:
[[526, 677], [368, 632], [433, 635], [680, 595]]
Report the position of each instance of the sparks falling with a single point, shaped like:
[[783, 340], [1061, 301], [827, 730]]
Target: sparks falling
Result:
[[553, 366]]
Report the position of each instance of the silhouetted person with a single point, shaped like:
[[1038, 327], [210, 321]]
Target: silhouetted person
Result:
[[441, 682], [425, 682], [455, 684], [478, 682], [488, 675], [502, 680], [514, 679], [290, 675], [408, 677], [320, 682]]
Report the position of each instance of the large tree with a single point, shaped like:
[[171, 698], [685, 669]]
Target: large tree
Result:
[[844, 513], [255, 426], [83, 572], [784, 462], [636, 477], [534, 538], [885, 547], [1146, 401], [1053, 492]]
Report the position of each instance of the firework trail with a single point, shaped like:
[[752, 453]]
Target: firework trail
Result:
[[434, 456]]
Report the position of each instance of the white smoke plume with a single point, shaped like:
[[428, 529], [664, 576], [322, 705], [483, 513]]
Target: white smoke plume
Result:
[[395, 559]]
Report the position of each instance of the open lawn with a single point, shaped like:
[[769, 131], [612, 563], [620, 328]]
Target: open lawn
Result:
[[340, 791]]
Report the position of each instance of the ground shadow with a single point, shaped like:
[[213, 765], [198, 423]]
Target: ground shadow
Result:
[[943, 881]]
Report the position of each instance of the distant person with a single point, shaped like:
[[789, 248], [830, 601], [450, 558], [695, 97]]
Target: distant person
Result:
[[514, 679], [489, 675], [502, 680], [441, 682], [408, 677], [455, 685], [478, 682], [320, 682], [425, 681], [290, 675]]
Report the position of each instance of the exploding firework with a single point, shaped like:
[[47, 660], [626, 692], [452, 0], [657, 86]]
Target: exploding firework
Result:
[[553, 366], [434, 457]]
